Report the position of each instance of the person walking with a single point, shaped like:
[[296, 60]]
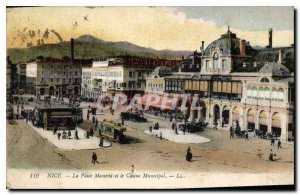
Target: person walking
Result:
[[279, 144], [94, 158], [189, 155], [58, 136], [176, 131], [272, 141], [231, 132], [150, 129], [69, 134], [76, 135], [246, 136], [101, 141]]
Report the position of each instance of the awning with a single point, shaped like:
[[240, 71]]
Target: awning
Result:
[[167, 105]]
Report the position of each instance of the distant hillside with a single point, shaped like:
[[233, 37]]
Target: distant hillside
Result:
[[87, 47], [132, 47]]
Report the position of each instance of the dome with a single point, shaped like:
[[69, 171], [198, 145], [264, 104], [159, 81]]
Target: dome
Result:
[[275, 68], [161, 71], [228, 44]]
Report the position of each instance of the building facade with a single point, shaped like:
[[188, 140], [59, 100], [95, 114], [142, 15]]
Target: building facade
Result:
[[238, 85]]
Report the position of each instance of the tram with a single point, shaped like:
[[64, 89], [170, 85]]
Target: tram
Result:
[[113, 131]]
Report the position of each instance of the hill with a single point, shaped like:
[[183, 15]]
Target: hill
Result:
[[88, 47]]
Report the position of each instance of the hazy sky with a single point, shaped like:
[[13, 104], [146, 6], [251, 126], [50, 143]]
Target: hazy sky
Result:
[[177, 28]]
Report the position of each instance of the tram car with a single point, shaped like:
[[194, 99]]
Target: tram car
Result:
[[113, 131]]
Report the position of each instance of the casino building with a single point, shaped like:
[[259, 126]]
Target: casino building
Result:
[[236, 83]]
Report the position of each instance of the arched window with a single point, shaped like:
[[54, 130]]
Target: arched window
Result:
[[216, 61], [265, 80]]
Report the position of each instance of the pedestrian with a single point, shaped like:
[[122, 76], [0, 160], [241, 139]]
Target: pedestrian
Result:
[[173, 125], [216, 126], [189, 155], [176, 129], [27, 118], [91, 131], [231, 132], [94, 158], [132, 169], [58, 136], [101, 141], [150, 129], [272, 141], [87, 135], [160, 135], [88, 116], [69, 134], [279, 144], [246, 135], [64, 135], [271, 156], [76, 135], [93, 119]]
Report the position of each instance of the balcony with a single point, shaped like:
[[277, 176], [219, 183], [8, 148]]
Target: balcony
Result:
[[266, 102]]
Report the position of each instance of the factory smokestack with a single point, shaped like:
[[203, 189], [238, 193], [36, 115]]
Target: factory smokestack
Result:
[[72, 50], [270, 37], [202, 47]]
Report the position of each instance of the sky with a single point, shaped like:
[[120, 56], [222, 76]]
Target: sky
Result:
[[175, 28]]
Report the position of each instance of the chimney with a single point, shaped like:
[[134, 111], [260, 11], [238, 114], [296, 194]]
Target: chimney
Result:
[[242, 47], [270, 38], [72, 50], [202, 48]]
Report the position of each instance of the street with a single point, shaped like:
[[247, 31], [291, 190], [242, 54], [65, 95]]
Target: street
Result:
[[26, 149]]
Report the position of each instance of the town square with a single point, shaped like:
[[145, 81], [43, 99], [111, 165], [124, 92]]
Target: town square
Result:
[[224, 112]]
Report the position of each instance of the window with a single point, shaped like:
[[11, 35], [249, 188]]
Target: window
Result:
[[42, 80], [63, 80], [51, 79], [64, 73], [216, 61], [130, 74], [139, 74], [224, 64], [265, 80], [58, 80], [70, 80], [206, 65]]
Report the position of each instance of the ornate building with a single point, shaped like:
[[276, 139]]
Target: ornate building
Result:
[[237, 84]]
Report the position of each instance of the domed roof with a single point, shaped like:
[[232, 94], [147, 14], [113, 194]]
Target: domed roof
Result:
[[229, 44], [161, 71], [275, 68]]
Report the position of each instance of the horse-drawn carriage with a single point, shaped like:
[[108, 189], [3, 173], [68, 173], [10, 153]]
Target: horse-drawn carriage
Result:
[[133, 116], [192, 127]]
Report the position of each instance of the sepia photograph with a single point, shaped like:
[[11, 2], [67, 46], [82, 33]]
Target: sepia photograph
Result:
[[150, 97]]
